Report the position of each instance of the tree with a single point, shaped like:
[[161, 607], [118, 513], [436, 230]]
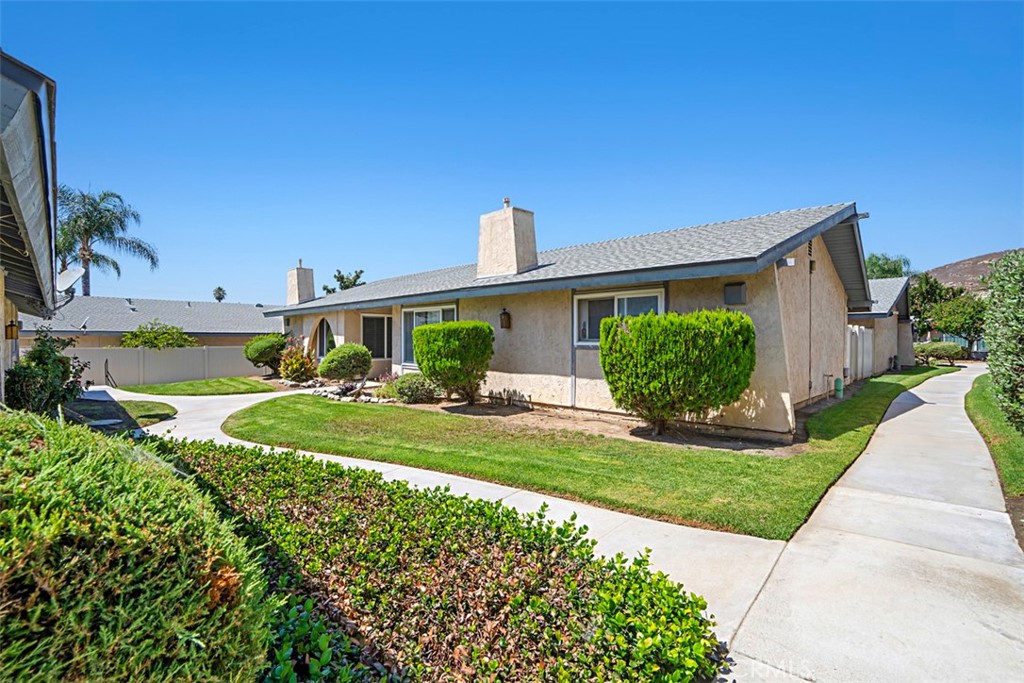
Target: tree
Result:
[[1004, 334], [219, 294], [963, 316], [345, 281], [883, 265], [157, 335], [87, 222], [925, 293]]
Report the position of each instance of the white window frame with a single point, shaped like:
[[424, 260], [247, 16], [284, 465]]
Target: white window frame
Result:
[[420, 309], [386, 316], [616, 295]]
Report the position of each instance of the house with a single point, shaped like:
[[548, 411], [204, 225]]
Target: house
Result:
[[796, 273], [28, 198], [100, 321], [892, 335]]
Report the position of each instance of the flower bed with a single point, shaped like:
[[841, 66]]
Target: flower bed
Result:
[[446, 588]]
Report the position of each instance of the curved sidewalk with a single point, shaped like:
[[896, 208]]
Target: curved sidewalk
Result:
[[727, 569], [907, 571]]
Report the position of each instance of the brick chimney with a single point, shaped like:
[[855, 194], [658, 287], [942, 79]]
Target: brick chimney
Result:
[[300, 285], [507, 244]]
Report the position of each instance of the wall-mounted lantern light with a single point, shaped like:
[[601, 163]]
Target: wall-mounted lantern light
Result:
[[11, 330], [506, 319]]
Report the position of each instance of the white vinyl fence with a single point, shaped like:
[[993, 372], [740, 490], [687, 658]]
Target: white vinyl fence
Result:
[[149, 366], [860, 349]]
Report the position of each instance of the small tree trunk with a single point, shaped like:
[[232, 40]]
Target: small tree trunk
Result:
[[659, 427], [86, 285]]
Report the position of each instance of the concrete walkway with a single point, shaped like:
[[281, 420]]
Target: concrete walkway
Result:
[[727, 569], [908, 570]]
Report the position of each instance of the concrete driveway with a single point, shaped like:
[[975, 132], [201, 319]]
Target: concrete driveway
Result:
[[908, 570]]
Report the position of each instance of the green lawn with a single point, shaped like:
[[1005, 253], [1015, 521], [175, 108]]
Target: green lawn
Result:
[[1005, 443], [204, 387], [751, 494], [133, 414]]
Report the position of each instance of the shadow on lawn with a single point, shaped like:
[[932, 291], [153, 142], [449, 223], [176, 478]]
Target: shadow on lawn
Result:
[[84, 411]]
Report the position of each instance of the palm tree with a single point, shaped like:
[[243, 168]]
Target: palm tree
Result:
[[88, 221], [219, 294]]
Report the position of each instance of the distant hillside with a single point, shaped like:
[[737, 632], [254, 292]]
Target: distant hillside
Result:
[[967, 273]]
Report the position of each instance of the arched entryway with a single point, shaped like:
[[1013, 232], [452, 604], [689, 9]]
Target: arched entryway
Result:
[[322, 339]]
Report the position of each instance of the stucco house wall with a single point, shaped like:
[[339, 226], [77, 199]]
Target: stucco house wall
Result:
[[99, 341], [905, 343], [885, 343], [814, 309]]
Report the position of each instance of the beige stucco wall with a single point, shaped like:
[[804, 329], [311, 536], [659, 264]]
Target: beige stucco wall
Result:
[[347, 327], [531, 359], [885, 344], [905, 343], [766, 405], [813, 307], [99, 341]]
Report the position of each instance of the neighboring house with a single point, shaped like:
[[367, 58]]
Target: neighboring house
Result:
[[28, 201], [99, 321], [796, 273], [892, 338]]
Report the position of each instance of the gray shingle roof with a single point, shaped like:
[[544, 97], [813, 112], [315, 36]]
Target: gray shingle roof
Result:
[[731, 247], [887, 293], [99, 314]]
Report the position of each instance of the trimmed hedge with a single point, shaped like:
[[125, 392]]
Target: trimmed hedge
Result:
[[449, 588], [411, 387], [265, 350], [1004, 334], [114, 569], [663, 367], [455, 355], [947, 351], [347, 361]]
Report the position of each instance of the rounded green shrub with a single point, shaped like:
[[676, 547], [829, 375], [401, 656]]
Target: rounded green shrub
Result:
[[347, 361], [412, 388], [265, 350], [45, 378], [112, 568], [662, 367], [1004, 334], [947, 351], [455, 355], [157, 335]]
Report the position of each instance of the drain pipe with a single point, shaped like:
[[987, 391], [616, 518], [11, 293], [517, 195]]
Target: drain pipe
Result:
[[572, 348]]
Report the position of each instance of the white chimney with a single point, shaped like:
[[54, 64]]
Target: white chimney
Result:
[[300, 285], [507, 244]]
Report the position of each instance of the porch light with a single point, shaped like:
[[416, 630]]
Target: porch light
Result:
[[11, 330], [506, 319]]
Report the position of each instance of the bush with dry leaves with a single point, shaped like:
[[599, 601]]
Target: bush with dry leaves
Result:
[[438, 587]]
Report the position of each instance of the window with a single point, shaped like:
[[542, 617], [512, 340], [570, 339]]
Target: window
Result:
[[591, 309], [324, 338], [377, 336], [413, 318]]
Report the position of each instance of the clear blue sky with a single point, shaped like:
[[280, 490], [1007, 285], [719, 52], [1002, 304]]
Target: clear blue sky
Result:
[[355, 136]]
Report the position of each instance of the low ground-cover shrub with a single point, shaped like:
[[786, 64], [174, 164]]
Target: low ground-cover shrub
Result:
[[347, 361], [411, 387], [457, 589], [925, 352], [1004, 334], [157, 335], [44, 378], [297, 365], [663, 367], [455, 355], [265, 350], [114, 569]]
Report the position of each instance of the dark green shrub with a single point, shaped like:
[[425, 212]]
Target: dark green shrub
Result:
[[454, 588], [1004, 334], [297, 365], [455, 355], [157, 335], [44, 378], [925, 352], [662, 367], [347, 361], [265, 350], [411, 387], [114, 569]]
